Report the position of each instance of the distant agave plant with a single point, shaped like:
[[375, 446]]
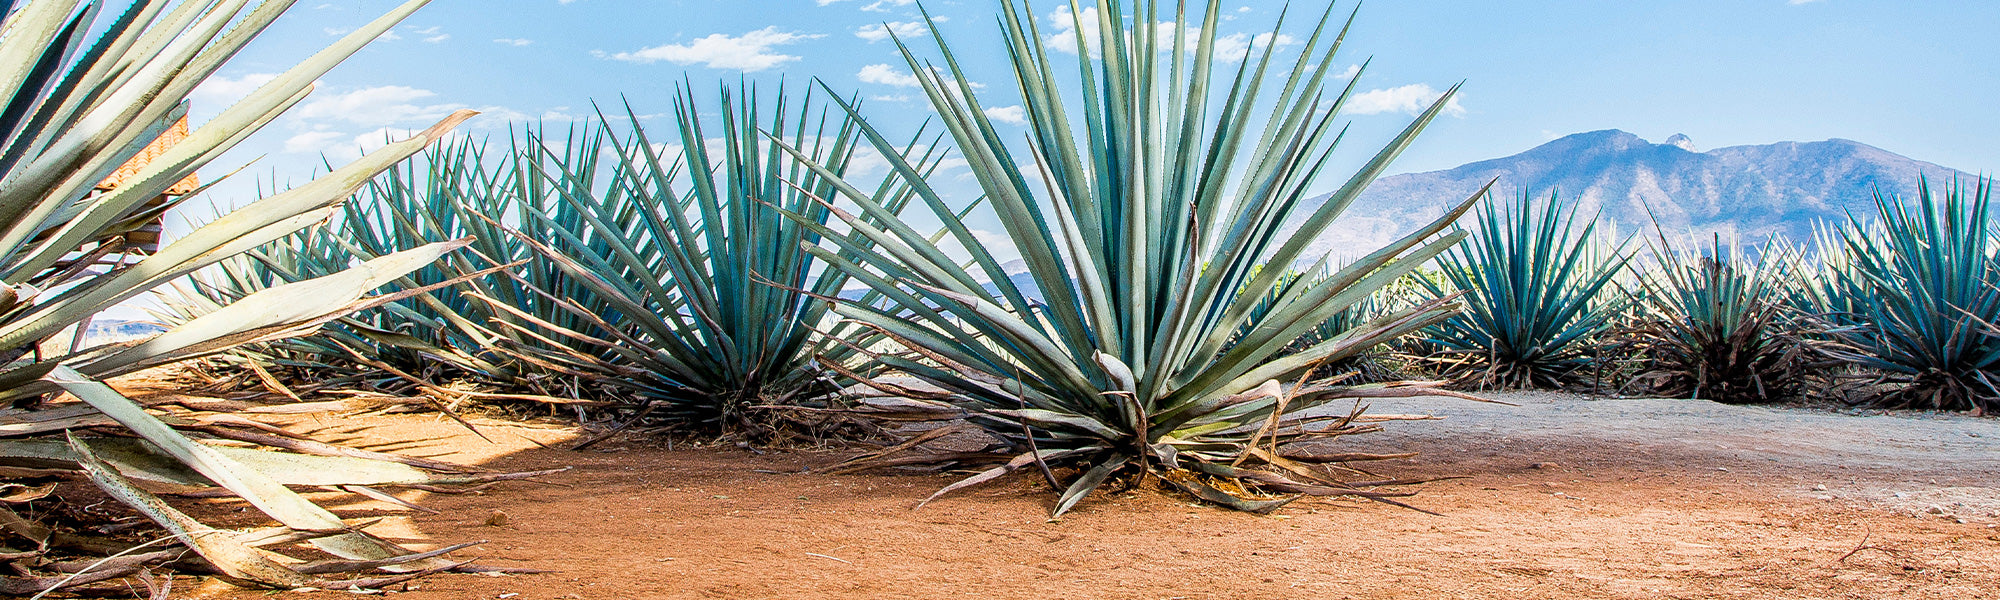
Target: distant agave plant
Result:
[[1924, 292], [445, 332], [1534, 281], [1718, 326], [1144, 230]]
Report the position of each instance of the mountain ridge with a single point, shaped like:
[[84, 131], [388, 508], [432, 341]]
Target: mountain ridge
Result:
[[1749, 191]]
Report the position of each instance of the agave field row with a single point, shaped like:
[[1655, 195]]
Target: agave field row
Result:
[[735, 272], [736, 282], [737, 277]]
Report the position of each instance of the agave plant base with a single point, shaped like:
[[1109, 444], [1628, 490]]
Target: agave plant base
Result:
[[1256, 468], [1974, 392], [1486, 373]]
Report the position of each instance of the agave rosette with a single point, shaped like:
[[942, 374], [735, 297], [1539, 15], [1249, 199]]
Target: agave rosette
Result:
[[1717, 325], [1145, 235], [1920, 293], [1535, 285]]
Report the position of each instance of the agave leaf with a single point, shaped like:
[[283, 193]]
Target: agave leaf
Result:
[[137, 461], [269, 496], [233, 557], [1087, 483]]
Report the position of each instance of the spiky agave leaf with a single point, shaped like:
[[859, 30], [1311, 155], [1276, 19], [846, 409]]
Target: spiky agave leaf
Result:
[[1924, 291], [1374, 365], [1144, 234], [1720, 326], [1533, 280]]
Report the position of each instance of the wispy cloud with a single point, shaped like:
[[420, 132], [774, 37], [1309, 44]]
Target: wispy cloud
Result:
[[1013, 115], [432, 35], [223, 91], [1232, 47], [312, 142], [515, 42], [1408, 99], [881, 31], [876, 6], [749, 52], [886, 75], [375, 106]]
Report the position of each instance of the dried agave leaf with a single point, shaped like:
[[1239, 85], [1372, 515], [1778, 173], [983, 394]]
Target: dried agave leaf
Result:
[[269, 496]]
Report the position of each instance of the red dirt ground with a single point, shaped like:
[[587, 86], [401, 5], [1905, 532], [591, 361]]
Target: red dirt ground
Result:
[[1565, 517]]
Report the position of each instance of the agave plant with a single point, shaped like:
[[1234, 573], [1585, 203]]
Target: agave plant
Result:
[[686, 267], [78, 110], [1924, 292], [1719, 326], [1534, 285], [674, 277], [1145, 240]]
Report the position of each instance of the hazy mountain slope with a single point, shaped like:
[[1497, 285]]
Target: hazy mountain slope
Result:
[[1754, 191]]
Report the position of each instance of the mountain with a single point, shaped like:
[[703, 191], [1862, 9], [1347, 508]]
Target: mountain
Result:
[[105, 331], [1751, 191]]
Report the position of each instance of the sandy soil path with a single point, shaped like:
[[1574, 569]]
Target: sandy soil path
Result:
[[1564, 498]]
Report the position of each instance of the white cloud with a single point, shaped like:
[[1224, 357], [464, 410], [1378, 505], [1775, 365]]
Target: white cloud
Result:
[[885, 5], [749, 52], [901, 29], [890, 98], [515, 42], [375, 106], [1232, 47], [1409, 99], [1013, 115], [1798, 2], [378, 138], [998, 244], [431, 35], [887, 75], [335, 32], [223, 91], [313, 142], [1235, 46], [1064, 22], [877, 6]]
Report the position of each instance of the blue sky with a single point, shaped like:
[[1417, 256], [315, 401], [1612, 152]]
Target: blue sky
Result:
[[1913, 77]]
